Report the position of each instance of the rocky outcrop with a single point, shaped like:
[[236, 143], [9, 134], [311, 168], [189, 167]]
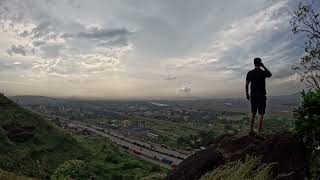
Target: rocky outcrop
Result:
[[283, 151], [197, 165]]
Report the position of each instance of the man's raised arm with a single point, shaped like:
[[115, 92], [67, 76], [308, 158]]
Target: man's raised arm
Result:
[[268, 73]]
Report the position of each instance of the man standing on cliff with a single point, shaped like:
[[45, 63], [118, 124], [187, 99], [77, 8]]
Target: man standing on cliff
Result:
[[257, 80]]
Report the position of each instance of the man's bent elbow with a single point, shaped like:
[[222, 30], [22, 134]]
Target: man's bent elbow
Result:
[[268, 74]]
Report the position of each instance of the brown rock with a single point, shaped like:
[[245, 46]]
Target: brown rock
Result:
[[197, 165], [282, 150]]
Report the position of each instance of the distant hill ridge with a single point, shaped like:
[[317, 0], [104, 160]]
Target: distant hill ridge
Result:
[[48, 98]]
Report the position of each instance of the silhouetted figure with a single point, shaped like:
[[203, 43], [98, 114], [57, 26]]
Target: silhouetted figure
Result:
[[257, 80]]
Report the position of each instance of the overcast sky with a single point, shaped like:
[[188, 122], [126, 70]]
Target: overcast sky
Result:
[[145, 48]]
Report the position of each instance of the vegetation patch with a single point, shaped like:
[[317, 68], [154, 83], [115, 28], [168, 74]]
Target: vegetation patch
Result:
[[108, 161], [11, 176], [73, 169], [307, 128], [251, 168]]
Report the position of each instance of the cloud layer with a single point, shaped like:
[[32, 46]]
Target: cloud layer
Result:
[[146, 49]]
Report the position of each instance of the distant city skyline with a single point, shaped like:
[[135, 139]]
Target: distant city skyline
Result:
[[145, 49]]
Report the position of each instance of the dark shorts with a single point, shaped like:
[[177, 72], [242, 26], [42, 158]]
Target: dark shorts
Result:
[[258, 104]]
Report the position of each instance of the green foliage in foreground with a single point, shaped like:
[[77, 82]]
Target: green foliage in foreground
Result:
[[307, 120], [11, 176], [250, 169], [73, 169], [307, 126]]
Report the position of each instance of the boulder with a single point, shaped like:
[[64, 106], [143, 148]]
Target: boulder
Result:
[[282, 150], [195, 166]]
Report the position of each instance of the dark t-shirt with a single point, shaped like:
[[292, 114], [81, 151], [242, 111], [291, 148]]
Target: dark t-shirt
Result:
[[257, 79]]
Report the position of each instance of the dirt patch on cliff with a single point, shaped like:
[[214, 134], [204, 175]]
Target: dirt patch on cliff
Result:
[[18, 133]]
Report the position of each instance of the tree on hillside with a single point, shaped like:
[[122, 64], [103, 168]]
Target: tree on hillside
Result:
[[307, 128], [307, 116], [306, 20]]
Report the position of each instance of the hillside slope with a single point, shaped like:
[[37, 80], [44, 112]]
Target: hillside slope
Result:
[[31, 145]]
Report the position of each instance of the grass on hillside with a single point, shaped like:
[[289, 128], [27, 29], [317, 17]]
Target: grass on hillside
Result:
[[31, 145], [251, 169], [4, 175], [108, 161]]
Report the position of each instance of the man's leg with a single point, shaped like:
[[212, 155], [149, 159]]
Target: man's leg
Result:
[[253, 117], [254, 109], [261, 112], [260, 121]]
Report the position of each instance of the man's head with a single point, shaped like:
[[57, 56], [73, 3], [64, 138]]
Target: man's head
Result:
[[257, 62]]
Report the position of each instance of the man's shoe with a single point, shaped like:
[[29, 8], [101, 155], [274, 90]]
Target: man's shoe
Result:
[[252, 133], [260, 137]]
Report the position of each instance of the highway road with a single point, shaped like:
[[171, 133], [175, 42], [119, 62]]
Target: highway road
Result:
[[187, 153], [147, 154], [151, 152], [149, 145]]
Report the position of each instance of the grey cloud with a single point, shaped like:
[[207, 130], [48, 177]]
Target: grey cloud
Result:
[[76, 65], [51, 51], [283, 72], [38, 43], [118, 41], [19, 49], [25, 33], [66, 35], [163, 24], [6, 65], [99, 37], [73, 3], [171, 78], [96, 33], [41, 30]]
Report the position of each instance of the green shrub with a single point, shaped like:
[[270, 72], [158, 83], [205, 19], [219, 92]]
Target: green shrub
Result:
[[72, 169], [122, 177], [307, 126], [307, 120], [155, 168], [131, 165], [251, 169], [4, 175], [112, 158]]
